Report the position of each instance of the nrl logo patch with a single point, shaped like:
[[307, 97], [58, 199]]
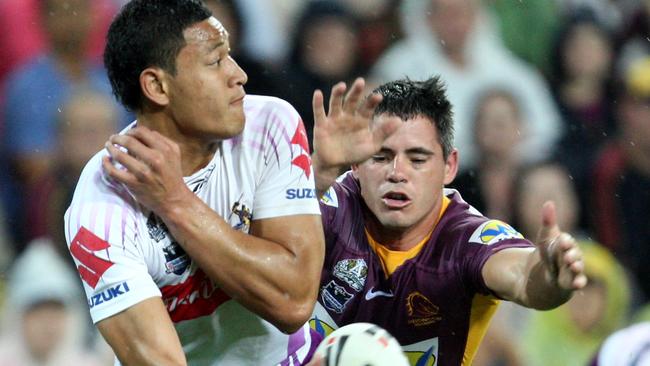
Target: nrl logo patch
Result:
[[334, 297], [353, 272], [176, 260], [329, 198], [493, 231]]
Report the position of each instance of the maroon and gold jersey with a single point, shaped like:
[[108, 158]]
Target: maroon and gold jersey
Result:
[[436, 302]]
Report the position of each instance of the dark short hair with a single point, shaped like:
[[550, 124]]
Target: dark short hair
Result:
[[147, 33], [408, 99]]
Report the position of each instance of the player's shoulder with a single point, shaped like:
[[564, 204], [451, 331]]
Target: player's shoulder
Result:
[[345, 188], [262, 108], [470, 226], [96, 187]]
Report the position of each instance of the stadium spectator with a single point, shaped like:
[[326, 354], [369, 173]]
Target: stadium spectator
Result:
[[42, 325], [621, 179], [86, 116], [324, 51], [498, 131], [527, 29], [34, 95], [583, 89], [458, 44]]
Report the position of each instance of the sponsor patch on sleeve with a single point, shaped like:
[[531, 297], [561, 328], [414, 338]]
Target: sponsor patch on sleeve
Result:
[[493, 231]]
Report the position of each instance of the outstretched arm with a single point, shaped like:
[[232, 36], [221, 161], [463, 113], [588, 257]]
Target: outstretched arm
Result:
[[274, 272], [541, 278], [345, 135]]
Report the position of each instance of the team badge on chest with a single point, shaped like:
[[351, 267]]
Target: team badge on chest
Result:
[[353, 272], [176, 260], [334, 297]]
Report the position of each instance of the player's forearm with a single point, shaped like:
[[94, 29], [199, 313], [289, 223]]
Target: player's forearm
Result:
[[278, 282], [540, 289]]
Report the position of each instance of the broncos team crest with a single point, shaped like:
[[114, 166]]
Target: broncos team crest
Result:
[[493, 231]]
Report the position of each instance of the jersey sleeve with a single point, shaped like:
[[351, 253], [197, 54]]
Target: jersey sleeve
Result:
[[488, 238], [286, 184], [103, 238]]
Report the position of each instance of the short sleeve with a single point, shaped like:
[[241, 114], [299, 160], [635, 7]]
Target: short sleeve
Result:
[[286, 185], [103, 239], [488, 238]]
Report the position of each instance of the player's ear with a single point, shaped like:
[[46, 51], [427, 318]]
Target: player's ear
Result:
[[154, 86], [451, 167]]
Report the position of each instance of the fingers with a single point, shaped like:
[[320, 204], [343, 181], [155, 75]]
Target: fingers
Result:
[[367, 109], [351, 102], [135, 166], [336, 98], [571, 260], [550, 230], [549, 214], [382, 130], [121, 175], [318, 107]]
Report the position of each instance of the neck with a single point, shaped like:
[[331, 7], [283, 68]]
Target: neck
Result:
[[196, 153], [399, 238]]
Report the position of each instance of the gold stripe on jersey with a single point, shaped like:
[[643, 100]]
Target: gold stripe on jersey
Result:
[[391, 259], [483, 308]]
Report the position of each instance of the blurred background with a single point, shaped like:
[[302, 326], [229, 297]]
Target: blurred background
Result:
[[551, 101]]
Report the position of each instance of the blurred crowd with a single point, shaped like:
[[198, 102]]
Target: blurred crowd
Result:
[[551, 101]]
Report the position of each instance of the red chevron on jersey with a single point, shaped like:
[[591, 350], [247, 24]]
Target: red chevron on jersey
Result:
[[82, 247], [197, 296], [302, 161], [300, 137]]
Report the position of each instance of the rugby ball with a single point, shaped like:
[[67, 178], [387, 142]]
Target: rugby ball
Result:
[[360, 344]]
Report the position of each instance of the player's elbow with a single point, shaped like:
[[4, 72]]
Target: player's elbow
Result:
[[294, 316]]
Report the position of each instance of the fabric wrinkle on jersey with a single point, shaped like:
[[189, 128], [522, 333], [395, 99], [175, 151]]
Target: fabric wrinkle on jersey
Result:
[[439, 306], [125, 253]]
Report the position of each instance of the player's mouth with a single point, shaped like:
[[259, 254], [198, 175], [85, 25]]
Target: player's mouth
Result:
[[396, 200], [238, 100]]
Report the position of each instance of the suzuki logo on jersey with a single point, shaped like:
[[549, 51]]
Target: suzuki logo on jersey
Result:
[[300, 193], [303, 160], [109, 294], [82, 248]]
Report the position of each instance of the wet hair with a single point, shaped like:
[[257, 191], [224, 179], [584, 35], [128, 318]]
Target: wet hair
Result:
[[408, 99], [147, 33]]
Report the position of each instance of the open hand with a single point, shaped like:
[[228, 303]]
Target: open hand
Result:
[[560, 252], [345, 135], [151, 167]]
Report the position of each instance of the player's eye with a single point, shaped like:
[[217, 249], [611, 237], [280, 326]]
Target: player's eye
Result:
[[379, 158]]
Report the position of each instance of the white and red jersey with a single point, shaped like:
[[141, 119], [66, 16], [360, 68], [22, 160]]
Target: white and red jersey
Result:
[[125, 254]]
